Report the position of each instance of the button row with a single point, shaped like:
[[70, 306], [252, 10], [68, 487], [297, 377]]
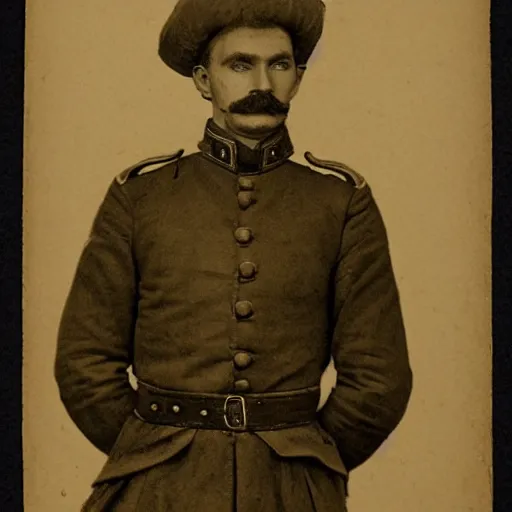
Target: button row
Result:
[[247, 270], [245, 195]]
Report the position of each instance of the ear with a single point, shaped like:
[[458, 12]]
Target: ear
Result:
[[202, 82], [301, 69]]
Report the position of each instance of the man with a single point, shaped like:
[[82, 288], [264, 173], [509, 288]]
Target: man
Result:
[[227, 279]]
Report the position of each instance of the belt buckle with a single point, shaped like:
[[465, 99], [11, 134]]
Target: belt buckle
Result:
[[234, 418]]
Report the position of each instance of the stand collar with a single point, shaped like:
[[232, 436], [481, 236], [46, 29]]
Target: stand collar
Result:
[[221, 147]]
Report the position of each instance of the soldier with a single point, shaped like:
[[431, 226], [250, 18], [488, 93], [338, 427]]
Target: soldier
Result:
[[227, 278]]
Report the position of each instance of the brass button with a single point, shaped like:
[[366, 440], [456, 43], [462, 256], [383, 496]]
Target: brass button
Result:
[[204, 412], [242, 385], [245, 183], [154, 407], [243, 235], [243, 309], [176, 408], [242, 360], [244, 199], [247, 269]]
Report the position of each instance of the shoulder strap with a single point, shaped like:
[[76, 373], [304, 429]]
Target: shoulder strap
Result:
[[353, 177], [142, 166]]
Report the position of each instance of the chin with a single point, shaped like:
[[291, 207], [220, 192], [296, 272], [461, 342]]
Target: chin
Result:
[[256, 125]]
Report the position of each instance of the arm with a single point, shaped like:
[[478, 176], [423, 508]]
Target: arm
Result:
[[374, 379], [95, 332]]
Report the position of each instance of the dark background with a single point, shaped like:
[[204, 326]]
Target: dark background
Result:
[[501, 48], [12, 26]]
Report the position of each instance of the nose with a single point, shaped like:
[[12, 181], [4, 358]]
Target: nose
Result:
[[262, 79]]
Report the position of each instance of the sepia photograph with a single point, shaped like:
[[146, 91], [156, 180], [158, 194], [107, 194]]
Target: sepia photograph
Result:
[[257, 256]]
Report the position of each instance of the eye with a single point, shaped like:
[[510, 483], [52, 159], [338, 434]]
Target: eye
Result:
[[282, 65], [240, 66]]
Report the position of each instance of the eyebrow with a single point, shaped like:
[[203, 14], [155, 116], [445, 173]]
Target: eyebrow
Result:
[[250, 57]]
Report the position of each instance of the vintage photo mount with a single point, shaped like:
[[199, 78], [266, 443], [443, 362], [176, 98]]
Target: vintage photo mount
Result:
[[11, 143]]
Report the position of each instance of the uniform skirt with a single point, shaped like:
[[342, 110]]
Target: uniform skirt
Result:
[[226, 472]]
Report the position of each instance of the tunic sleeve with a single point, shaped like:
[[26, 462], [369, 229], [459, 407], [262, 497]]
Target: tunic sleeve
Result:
[[374, 378], [96, 327]]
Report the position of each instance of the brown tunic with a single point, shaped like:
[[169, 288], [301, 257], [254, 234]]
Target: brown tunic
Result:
[[233, 270]]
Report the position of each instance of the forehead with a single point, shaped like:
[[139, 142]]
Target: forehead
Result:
[[263, 42]]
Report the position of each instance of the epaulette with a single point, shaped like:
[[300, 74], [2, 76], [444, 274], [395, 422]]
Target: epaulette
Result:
[[348, 174], [142, 166]]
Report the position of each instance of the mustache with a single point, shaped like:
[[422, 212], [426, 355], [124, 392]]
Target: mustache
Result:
[[259, 102]]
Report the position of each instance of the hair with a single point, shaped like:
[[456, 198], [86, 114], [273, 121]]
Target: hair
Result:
[[206, 51]]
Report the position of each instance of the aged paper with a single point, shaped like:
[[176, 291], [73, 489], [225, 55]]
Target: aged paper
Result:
[[398, 90]]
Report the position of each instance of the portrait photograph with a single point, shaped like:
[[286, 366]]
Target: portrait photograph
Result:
[[257, 256]]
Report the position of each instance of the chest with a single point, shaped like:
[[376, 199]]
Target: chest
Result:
[[198, 231]]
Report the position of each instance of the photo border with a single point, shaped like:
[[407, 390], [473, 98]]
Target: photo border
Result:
[[12, 31], [12, 48], [501, 69]]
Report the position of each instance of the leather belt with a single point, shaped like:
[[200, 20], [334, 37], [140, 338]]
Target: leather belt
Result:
[[247, 412]]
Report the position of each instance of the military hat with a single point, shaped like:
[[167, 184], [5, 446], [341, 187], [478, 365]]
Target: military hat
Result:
[[193, 23]]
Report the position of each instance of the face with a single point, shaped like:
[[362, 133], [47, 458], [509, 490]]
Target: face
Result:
[[250, 79]]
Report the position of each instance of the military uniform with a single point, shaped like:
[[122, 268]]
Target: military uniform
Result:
[[228, 278]]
